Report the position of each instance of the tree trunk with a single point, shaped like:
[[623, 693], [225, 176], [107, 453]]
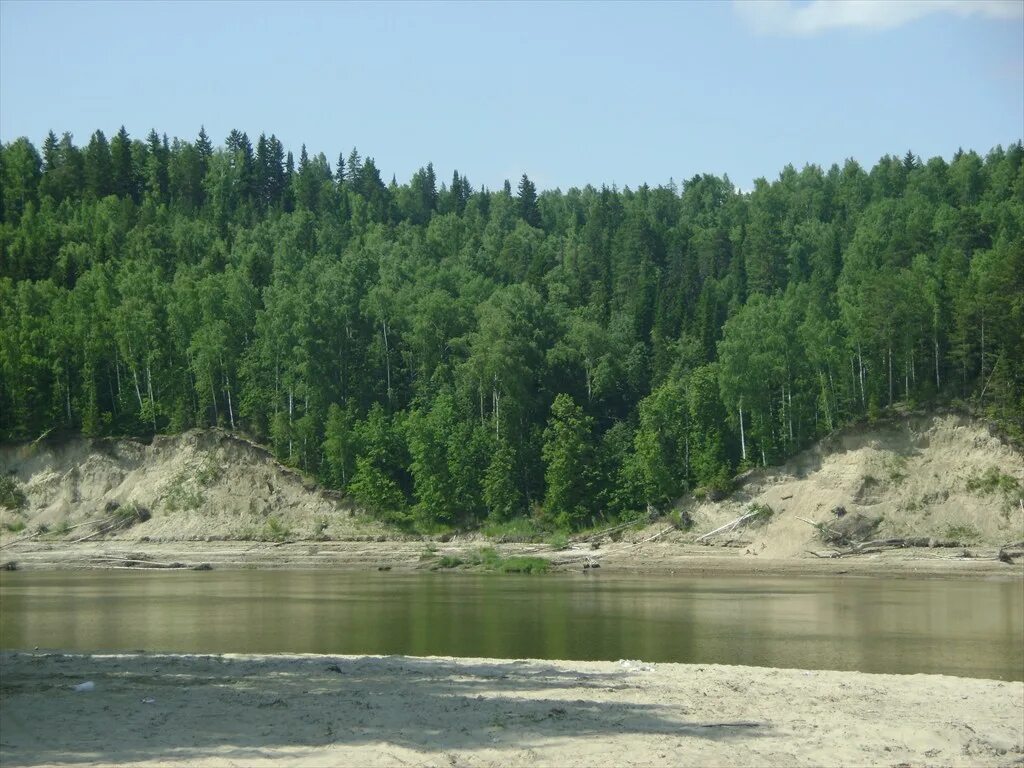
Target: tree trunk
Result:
[[687, 450], [277, 381], [890, 375], [860, 361], [982, 346], [853, 377], [135, 377], [743, 441], [938, 383], [138, 392], [789, 413], [387, 355], [227, 390], [496, 401], [152, 402], [213, 394], [113, 398]]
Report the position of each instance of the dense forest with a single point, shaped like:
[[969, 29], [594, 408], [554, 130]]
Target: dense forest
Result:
[[450, 355]]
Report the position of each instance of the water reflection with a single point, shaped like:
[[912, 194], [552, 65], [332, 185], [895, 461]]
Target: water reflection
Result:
[[971, 628]]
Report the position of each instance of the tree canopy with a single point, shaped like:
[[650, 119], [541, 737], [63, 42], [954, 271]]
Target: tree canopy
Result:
[[448, 355]]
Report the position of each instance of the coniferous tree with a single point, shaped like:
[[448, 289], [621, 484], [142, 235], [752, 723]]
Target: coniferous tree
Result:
[[442, 357], [123, 165], [99, 173]]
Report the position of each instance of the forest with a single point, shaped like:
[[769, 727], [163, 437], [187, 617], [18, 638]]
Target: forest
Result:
[[450, 356]]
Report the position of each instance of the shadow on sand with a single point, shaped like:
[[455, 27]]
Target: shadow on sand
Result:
[[253, 707]]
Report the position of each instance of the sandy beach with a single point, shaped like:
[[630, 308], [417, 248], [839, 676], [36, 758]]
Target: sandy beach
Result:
[[654, 557], [404, 711]]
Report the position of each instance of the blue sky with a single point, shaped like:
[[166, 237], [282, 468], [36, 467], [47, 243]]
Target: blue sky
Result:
[[570, 93]]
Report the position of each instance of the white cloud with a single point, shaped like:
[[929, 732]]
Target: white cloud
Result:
[[803, 19]]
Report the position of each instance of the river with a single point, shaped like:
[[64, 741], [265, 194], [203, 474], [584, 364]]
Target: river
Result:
[[972, 628]]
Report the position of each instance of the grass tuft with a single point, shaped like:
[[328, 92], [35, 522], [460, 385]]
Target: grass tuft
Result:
[[11, 496]]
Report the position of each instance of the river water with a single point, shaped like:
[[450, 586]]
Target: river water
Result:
[[971, 628]]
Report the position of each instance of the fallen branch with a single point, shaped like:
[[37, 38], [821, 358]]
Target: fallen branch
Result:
[[821, 527], [170, 566], [658, 535], [35, 442], [730, 525], [41, 533], [139, 562], [92, 535], [604, 531], [572, 557], [22, 538]]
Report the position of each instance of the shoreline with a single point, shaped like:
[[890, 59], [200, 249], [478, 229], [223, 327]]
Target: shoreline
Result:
[[284, 710], [646, 558]]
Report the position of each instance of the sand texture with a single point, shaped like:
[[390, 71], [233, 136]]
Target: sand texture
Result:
[[404, 711]]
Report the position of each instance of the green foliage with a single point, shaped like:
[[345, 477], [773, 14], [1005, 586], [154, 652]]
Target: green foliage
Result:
[[11, 496], [450, 356], [962, 533], [502, 494], [992, 480], [16, 527], [896, 469], [275, 530], [567, 456], [485, 559], [660, 459], [183, 493], [523, 529], [761, 512], [449, 561], [717, 487], [131, 513], [207, 474], [558, 540], [489, 559], [341, 445], [524, 564]]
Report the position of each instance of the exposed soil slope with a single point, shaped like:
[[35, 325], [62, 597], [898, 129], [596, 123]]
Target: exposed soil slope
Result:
[[197, 485], [944, 477]]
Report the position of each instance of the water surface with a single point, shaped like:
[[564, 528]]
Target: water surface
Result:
[[968, 628]]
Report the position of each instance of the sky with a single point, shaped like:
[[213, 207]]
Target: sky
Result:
[[569, 93]]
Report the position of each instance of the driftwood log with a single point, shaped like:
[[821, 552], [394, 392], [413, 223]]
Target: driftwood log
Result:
[[731, 525], [1006, 553]]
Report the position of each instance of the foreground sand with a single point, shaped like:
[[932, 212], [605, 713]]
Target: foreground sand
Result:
[[370, 711]]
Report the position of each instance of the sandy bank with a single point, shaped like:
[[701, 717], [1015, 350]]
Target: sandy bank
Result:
[[654, 557], [319, 710]]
